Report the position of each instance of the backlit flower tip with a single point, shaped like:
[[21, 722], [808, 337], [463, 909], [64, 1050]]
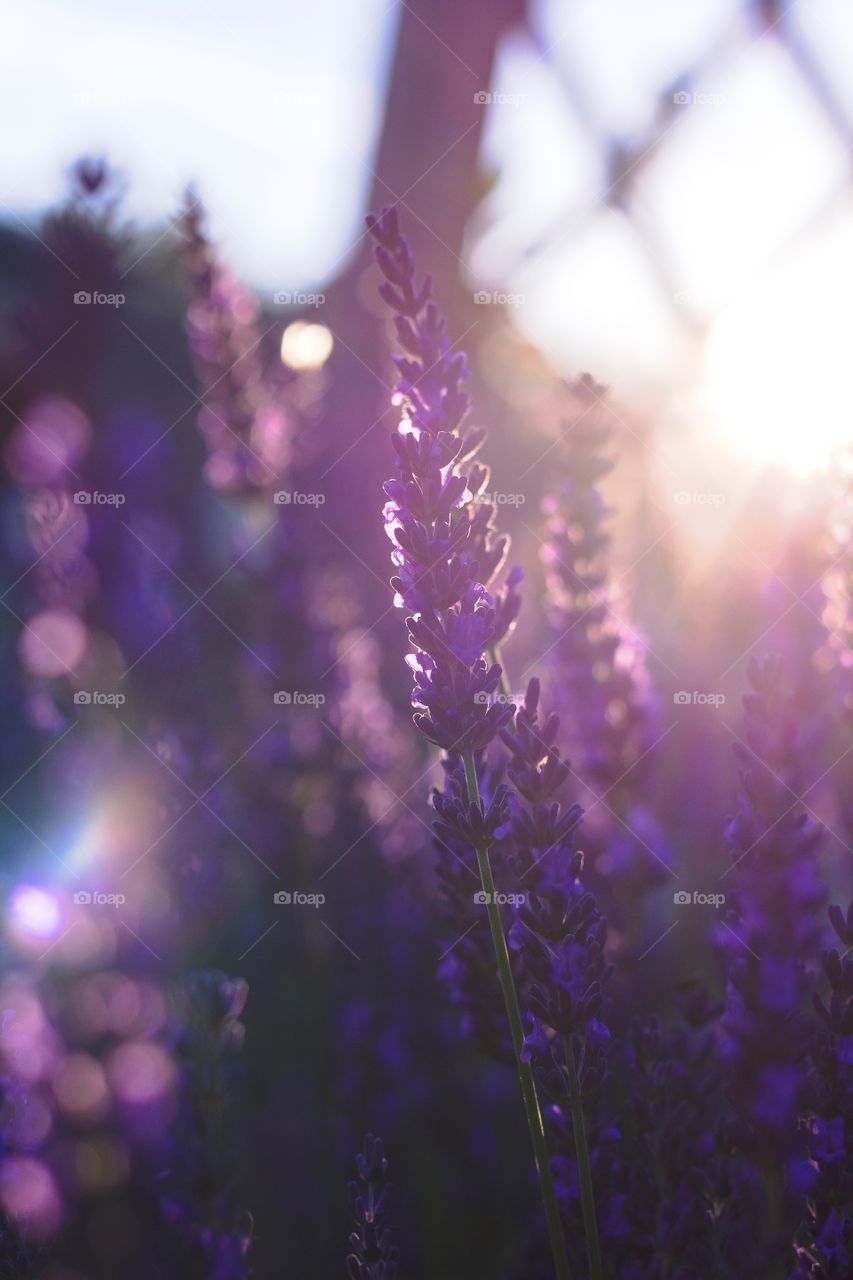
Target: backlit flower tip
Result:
[[473, 823], [536, 769], [534, 739]]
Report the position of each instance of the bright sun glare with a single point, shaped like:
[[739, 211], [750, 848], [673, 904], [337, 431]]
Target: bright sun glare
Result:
[[777, 370]]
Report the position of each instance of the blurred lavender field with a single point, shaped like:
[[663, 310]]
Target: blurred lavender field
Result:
[[304, 873]]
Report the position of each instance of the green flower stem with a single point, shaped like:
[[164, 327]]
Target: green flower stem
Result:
[[590, 1221], [525, 1071]]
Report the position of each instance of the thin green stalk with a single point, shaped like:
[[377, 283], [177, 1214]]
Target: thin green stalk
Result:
[[525, 1071], [590, 1221]]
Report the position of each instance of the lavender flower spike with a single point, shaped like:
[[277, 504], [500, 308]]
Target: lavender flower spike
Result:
[[373, 1255], [830, 1218], [446, 553], [770, 940]]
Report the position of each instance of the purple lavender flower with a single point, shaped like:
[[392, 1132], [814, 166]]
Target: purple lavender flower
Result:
[[446, 554], [560, 936], [468, 964], [200, 1198], [374, 1256], [446, 550], [769, 939], [246, 426], [652, 1145], [600, 683], [383, 753], [831, 1128]]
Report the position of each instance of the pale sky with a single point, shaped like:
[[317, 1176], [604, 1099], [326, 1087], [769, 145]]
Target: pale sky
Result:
[[271, 108]]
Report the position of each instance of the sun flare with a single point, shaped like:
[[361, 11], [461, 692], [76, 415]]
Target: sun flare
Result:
[[776, 373]]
